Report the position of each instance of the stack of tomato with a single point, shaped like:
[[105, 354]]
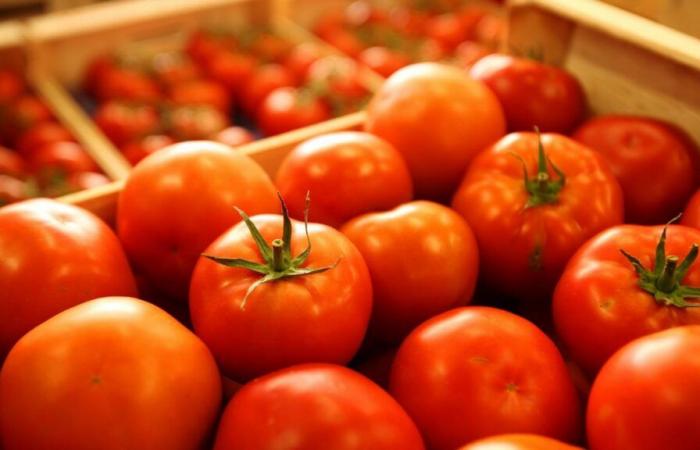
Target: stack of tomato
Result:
[[351, 302], [386, 39], [38, 156], [147, 102]]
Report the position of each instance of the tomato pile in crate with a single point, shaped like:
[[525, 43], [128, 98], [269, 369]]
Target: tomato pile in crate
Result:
[[477, 268]]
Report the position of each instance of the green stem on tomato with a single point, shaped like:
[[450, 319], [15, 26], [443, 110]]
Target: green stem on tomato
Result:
[[542, 189]]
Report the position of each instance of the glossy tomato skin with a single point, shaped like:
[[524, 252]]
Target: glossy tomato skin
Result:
[[201, 92], [126, 84], [598, 305], [11, 85], [519, 442], [423, 260], [12, 190], [194, 122], [383, 60], [315, 407], [473, 372], [524, 250], [315, 318], [285, 109], [112, 373], [347, 174], [42, 133], [532, 93], [653, 164], [234, 136], [301, 57], [646, 395], [181, 198], [10, 163], [54, 256], [438, 119], [135, 151], [124, 122], [691, 216], [231, 69], [266, 79], [60, 158], [27, 111]]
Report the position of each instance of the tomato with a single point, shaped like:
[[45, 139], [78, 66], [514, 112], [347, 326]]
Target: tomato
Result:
[[269, 47], [27, 111], [409, 20], [528, 230], [339, 81], [233, 136], [438, 119], [474, 372], [468, 53], [112, 373], [173, 68], [532, 93], [39, 135], [383, 60], [60, 159], [123, 122], [519, 442], [490, 30], [204, 46], [646, 395], [347, 173], [603, 301], [178, 200], [301, 57], [190, 123], [653, 164], [12, 190], [201, 92], [266, 79], [11, 85], [345, 41], [86, 180], [125, 84], [691, 216], [295, 307], [315, 407], [96, 70], [289, 108], [135, 151], [423, 260], [232, 70], [10, 163], [54, 256], [447, 29]]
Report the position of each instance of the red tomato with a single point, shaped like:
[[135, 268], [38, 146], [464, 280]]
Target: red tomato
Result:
[[653, 164], [11, 85], [646, 395], [204, 46], [409, 20], [232, 70], [99, 372], [474, 372], [338, 80], [27, 111], [190, 123], [173, 68], [289, 108], [345, 41], [383, 60], [519, 442], [60, 159], [124, 122], [423, 260], [447, 29], [266, 79], [490, 30], [96, 71], [315, 407], [12, 190], [86, 180], [127, 85], [532, 93], [201, 92], [233, 136], [10, 163], [301, 57], [347, 173], [178, 200], [468, 53], [137, 150], [269, 48], [691, 216], [296, 307], [39, 135], [438, 118], [528, 230], [54, 256], [603, 301]]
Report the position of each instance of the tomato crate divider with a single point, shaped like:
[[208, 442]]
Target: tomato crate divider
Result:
[[60, 45]]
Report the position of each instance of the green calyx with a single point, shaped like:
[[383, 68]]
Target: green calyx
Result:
[[664, 282], [278, 260], [542, 189]]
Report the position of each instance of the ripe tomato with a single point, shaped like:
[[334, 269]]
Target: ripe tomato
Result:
[[12, 190], [39, 135], [528, 229], [532, 93], [231, 69], [438, 119], [125, 84], [691, 216], [301, 57], [261, 309], [653, 164], [338, 80], [519, 442], [60, 159], [11, 85], [204, 46], [233, 136], [468, 53], [54, 256], [423, 260], [135, 151], [345, 41], [474, 372], [178, 200], [604, 300], [266, 79], [173, 68], [86, 180], [315, 407], [124, 122], [646, 395], [201, 92], [10, 163], [269, 47], [191, 123], [347, 173], [383, 60], [99, 372], [96, 70], [289, 108], [447, 29], [27, 111]]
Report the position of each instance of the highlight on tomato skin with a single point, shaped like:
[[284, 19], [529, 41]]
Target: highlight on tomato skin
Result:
[[519, 442]]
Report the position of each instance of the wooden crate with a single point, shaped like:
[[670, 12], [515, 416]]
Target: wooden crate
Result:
[[626, 63], [683, 15]]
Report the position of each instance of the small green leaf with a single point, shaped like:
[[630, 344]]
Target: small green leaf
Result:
[[238, 262], [264, 248]]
